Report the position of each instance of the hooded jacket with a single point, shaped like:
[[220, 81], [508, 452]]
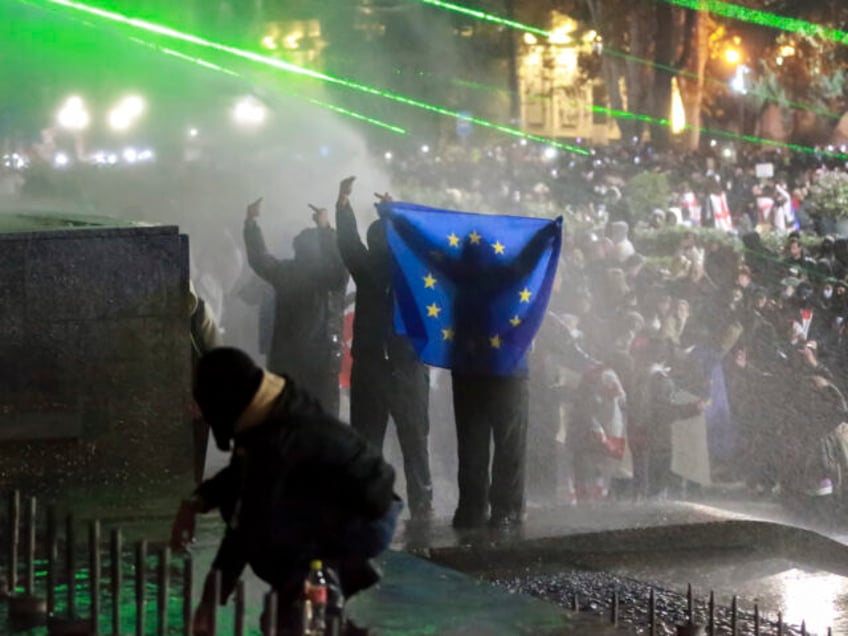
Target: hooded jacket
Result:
[[292, 463], [308, 310]]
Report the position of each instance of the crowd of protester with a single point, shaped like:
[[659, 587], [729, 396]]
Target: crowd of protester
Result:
[[753, 333]]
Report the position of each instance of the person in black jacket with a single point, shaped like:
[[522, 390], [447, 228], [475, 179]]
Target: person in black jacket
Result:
[[306, 343], [300, 485], [386, 377]]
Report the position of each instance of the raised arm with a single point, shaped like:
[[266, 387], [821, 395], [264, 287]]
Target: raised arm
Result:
[[260, 260], [331, 272], [353, 251]]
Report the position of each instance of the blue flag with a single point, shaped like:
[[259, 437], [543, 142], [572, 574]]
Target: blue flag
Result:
[[471, 290]]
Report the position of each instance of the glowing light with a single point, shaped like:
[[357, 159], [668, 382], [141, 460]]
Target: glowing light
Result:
[[268, 42], [146, 155], [388, 156], [678, 113], [249, 112], [727, 153], [130, 155], [560, 35], [193, 132], [99, 157], [112, 159], [810, 597], [787, 50], [732, 56], [529, 38], [134, 105], [550, 153], [120, 119], [425, 149], [60, 160], [738, 83], [293, 68], [590, 36], [73, 115]]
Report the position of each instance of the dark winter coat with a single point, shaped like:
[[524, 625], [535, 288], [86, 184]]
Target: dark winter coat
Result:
[[292, 462], [373, 332], [306, 340]]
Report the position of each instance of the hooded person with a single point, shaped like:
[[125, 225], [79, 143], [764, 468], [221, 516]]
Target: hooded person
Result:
[[309, 298], [300, 486]]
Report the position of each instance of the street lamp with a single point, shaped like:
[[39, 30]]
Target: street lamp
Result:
[[125, 114], [73, 114], [249, 112], [732, 56]]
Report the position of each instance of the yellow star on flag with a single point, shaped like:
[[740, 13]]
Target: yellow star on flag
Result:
[[453, 239], [495, 341], [498, 247], [474, 237], [429, 281], [433, 310], [515, 321], [525, 295], [447, 334]]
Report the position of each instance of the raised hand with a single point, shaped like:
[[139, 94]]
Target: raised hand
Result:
[[254, 208], [346, 187], [320, 216]]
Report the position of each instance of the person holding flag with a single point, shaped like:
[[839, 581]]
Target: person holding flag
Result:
[[471, 291], [386, 378]]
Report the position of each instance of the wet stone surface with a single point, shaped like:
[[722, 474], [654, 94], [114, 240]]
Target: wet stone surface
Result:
[[595, 590]]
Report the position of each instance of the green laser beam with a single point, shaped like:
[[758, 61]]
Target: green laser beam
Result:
[[220, 69], [763, 18], [355, 115], [714, 80], [299, 70], [618, 114], [486, 17]]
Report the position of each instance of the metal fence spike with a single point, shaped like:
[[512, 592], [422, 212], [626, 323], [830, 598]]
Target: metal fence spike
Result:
[[163, 584], [52, 558], [70, 564], [115, 576], [94, 574], [14, 539], [140, 583], [188, 592], [711, 626], [239, 609]]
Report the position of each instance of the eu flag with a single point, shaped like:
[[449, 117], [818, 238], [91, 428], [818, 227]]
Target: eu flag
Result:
[[471, 290]]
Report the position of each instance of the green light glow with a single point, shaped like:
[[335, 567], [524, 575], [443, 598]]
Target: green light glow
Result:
[[763, 18], [486, 17], [299, 70], [220, 69], [618, 114]]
